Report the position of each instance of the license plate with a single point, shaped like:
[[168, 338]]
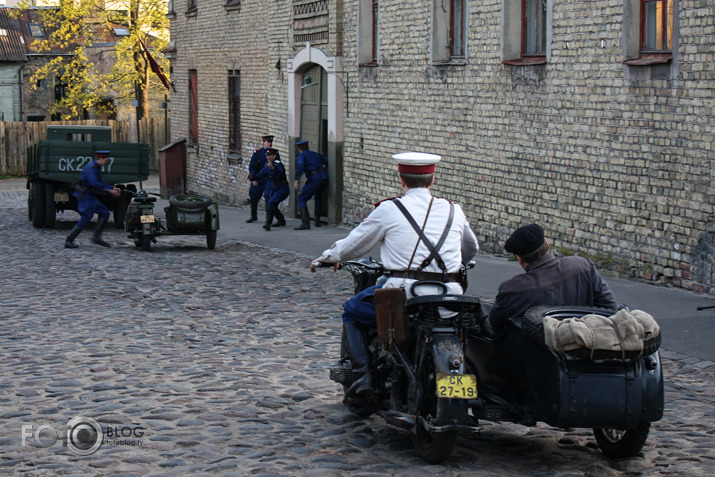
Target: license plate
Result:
[[62, 197], [456, 386], [147, 219]]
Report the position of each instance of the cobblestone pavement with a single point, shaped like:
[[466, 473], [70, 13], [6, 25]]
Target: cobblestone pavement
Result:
[[220, 358]]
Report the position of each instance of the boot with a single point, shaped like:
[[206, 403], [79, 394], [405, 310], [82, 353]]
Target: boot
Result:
[[254, 212], [280, 218], [317, 215], [69, 241], [360, 359], [97, 237], [305, 216], [269, 219]]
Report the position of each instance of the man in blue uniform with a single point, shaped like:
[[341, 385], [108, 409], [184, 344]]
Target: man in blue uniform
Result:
[[258, 183], [89, 185], [315, 167], [275, 173]]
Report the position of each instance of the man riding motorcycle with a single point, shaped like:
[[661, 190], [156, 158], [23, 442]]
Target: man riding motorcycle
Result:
[[421, 237]]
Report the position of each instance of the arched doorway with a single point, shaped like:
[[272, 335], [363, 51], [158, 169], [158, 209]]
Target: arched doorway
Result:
[[315, 113]]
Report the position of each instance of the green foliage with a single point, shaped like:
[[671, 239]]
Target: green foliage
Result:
[[76, 27]]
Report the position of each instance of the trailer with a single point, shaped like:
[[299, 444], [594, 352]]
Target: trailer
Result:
[[54, 165]]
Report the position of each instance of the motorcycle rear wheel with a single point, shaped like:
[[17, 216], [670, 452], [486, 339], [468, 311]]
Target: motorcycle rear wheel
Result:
[[433, 447], [620, 444], [146, 242]]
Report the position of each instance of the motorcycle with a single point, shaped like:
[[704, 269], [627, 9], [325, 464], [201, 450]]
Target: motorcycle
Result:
[[186, 215], [436, 375]]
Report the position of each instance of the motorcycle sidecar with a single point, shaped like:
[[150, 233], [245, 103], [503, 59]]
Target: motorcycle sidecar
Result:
[[192, 215], [522, 381]]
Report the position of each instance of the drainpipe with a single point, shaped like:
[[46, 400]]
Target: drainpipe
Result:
[[22, 93]]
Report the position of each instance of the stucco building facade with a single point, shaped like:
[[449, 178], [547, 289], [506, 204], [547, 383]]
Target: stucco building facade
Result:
[[594, 119]]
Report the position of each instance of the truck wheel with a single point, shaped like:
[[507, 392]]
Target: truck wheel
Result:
[[29, 203], [622, 443], [185, 201], [50, 209], [38, 204], [120, 209], [211, 239]]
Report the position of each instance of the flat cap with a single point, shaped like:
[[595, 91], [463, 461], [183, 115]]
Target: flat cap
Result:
[[525, 239], [267, 138], [416, 162], [302, 143]]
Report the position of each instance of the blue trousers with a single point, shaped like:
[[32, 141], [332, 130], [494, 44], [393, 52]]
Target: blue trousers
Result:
[[310, 189], [88, 206]]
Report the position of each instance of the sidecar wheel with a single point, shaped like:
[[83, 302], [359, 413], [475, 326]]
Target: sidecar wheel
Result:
[[185, 201], [437, 446], [211, 239], [622, 443]]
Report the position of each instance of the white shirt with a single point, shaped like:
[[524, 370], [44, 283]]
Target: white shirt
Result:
[[387, 226]]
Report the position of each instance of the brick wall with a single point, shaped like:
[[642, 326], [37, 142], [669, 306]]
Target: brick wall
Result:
[[615, 169], [614, 161]]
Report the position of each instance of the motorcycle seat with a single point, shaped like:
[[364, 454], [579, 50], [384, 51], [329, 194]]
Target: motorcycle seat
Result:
[[456, 303], [145, 200]]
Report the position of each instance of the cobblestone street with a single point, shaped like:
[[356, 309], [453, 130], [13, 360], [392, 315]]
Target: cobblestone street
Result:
[[220, 357]]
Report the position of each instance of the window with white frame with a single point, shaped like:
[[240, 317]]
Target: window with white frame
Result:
[[449, 30]]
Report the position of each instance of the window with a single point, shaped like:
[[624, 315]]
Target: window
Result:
[[191, 6], [449, 27], [193, 107], [368, 31], [234, 110], [525, 31], [650, 31], [36, 30], [456, 29], [534, 32], [656, 26]]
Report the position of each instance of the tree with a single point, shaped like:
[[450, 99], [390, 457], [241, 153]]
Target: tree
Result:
[[77, 28]]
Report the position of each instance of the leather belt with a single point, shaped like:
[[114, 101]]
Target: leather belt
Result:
[[417, 275], [276, 184]]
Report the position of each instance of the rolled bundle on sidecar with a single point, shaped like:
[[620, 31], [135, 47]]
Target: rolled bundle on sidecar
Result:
[[616, 392]]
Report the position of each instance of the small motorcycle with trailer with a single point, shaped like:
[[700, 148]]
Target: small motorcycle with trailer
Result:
[[435, 375], [187, 214]]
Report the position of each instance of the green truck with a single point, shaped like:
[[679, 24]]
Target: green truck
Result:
[[53, 168]]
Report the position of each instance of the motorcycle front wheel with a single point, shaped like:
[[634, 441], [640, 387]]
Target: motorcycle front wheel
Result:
[[433, 447], [622, 443]]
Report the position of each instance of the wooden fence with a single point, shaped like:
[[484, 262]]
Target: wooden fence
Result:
[[15, 137]]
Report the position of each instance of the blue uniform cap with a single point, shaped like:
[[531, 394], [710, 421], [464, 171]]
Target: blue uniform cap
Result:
[[102, 153], [271, 150], [302, 144]]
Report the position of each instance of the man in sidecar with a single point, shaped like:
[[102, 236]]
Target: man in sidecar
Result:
[[548, 280], [421, 237]]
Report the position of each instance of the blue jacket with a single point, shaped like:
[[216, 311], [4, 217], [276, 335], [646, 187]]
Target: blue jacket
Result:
[[311, 163], [91, 178], [256, 165]]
